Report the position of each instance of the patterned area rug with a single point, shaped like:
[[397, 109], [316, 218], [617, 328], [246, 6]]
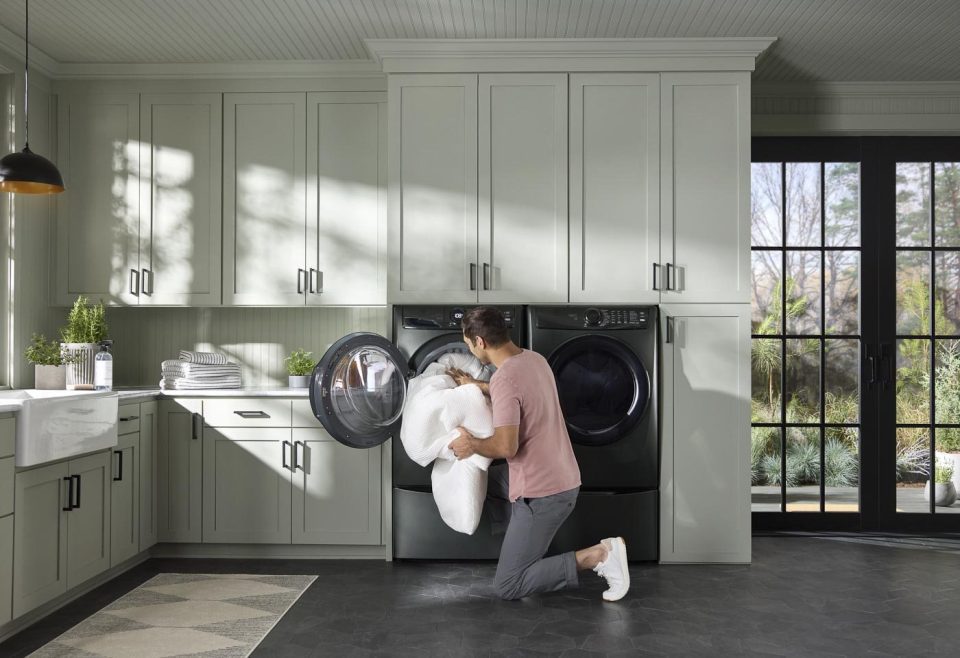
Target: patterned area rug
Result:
[[176, 614]]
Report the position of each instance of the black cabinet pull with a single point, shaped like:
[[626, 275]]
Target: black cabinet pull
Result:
[[669, 329], [283, 460], [69, 506], [301, 279], [77, 505], [252, 414], [134, 283], [147, 277], [194, 434], [656, 270], [124, 419], [119, 454], [473, 276], [486, 276], [671, 280], [296, 455]]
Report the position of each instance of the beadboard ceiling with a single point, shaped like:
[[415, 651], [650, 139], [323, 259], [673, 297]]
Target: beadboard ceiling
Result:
[[818, 40]]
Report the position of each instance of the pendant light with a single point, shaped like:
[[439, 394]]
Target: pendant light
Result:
[[26, 172]]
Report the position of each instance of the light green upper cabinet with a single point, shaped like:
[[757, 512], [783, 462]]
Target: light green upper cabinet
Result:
[[180, 154], [615, 188], [98, 218], [140, 221]]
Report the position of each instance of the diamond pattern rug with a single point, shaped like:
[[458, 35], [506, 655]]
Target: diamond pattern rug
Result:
[[176, 614]]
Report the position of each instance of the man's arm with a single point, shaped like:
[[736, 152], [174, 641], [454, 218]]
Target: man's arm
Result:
[[502, 445], [462, 378]]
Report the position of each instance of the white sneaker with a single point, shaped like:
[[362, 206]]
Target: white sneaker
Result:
[[615, 569]]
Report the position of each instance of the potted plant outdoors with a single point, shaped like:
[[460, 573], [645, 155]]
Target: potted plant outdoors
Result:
[[86, 327], [945, 494], [49, 372], [299, 367]]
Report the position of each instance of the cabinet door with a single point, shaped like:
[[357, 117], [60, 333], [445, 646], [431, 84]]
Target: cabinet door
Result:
[[124, 499], [246, 485], [346, 199], [705, 186], [180, 158], [522, 175], [39, 537], [264, 199], [98, 221], [148, 475], [705, 481], [179, 474], [614, 187], [6, 569], [88, 524], [433, 188], [336, 493]]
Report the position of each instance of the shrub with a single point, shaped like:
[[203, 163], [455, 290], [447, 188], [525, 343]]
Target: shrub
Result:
[[943, 471], [840, 464], [43, 352]]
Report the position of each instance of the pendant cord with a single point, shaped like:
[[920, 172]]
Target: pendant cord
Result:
[[26, 79]]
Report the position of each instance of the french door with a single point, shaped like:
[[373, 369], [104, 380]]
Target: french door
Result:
[[856, 333]]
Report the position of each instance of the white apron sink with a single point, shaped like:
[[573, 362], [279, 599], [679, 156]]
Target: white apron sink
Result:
[[52, 425]]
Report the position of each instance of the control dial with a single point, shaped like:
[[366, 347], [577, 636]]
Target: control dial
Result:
[[592, 317]]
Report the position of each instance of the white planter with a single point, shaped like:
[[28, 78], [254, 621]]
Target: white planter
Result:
[[49, 378], [944, 494], [79, 359], [299, 381]]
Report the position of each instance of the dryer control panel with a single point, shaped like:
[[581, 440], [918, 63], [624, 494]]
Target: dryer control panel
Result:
[[596, 317], [443, 317]]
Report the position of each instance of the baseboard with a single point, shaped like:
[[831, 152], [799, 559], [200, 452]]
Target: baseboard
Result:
[[271, 551], [11, 628]]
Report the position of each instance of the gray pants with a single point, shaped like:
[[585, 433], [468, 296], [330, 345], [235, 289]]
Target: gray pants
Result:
[[522, 569]]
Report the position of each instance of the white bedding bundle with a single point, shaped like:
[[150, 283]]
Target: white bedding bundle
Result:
[[435, 407], [186, 375]]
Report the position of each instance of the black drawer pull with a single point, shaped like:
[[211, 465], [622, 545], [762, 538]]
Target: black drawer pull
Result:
[[125, 419], [119, 454], [252, 414]]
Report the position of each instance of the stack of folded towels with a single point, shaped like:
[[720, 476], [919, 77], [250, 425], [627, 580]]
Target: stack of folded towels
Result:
[[196, 370]]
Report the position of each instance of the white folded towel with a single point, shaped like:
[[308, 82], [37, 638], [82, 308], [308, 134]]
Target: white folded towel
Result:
[[211, 358], [178, 374]]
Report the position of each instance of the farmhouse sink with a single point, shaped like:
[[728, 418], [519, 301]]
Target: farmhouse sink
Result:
[[53, 425]]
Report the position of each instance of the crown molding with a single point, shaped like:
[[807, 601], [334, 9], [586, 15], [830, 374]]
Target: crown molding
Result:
[[496, 55], [13, 45], [852, 89]]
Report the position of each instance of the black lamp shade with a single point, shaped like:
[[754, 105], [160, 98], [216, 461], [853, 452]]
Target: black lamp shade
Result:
[[28, 173]]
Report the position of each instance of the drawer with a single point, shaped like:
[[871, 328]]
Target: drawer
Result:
[[6, 486], [303, 414], [129, 419], [8, 433], [247, 412]]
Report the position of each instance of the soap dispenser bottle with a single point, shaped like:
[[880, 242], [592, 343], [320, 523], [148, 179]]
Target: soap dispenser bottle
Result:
[[103, 368]]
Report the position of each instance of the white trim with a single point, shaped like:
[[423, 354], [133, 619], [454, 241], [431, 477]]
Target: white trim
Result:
[[847, 89], [496, 55], [41, 61], [221, 70]]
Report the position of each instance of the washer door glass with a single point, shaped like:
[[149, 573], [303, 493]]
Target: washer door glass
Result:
[[358, 389], [603, 388]]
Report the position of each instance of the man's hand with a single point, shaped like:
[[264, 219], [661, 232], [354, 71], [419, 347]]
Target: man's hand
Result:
[[460, 377], [462, 446]]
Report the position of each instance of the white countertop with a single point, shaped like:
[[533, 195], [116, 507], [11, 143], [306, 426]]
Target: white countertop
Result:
[[247, 392]]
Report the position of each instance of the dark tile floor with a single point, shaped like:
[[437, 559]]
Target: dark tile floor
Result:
[[802, 596]]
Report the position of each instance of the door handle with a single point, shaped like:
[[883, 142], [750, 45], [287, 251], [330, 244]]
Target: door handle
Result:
[[671, 280], [283, 451], [669, 329], [119, 454], [656, 271], [147, 277], [301, 280], [473, 276], [252, 414], [69, 506], [77, 505], [486, 276], [296, 455], [134, 283]]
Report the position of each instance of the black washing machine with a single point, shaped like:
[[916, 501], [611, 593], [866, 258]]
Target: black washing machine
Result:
[[605, 361], [357, 392]]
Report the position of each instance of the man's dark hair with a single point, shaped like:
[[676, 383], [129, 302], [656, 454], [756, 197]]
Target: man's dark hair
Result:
[[488, 323]]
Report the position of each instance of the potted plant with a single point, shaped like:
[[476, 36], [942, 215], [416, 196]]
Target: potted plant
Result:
[[86, 327], [49, 373], [299, 366], [945, 494]]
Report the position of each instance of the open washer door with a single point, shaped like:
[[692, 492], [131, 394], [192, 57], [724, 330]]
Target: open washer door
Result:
[[358, 389]]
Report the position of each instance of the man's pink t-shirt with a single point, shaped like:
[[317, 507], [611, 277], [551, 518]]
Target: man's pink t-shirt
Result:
[[523, 392]]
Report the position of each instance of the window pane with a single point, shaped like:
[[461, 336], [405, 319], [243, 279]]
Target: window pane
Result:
[[913, 467], [948, 293], [913, 204], [913, 381], [803, 292], [765, 296], [841, 459], [765, 359], [913, 293], [841, 186], [803, 204], [803, 469], [947, 195], [842, 381], [766, 194], [803, 380], [842, 288], [765, 468], [948, 382]]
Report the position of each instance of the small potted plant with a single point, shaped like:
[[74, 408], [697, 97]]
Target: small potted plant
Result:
[[49, 373], [299, 366], [86, 327], [945, 493]]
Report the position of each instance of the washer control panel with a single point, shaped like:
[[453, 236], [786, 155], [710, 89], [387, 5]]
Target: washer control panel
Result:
[[616, 318]]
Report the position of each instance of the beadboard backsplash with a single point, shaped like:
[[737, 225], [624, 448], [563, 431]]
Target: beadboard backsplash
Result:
[[256, 338]]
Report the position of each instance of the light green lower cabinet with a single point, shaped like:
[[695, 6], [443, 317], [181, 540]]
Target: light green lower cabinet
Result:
[[148, 474], [179, 471], [124, 499], [6, 569], [246, 485], [336, 493], [88, 524]]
